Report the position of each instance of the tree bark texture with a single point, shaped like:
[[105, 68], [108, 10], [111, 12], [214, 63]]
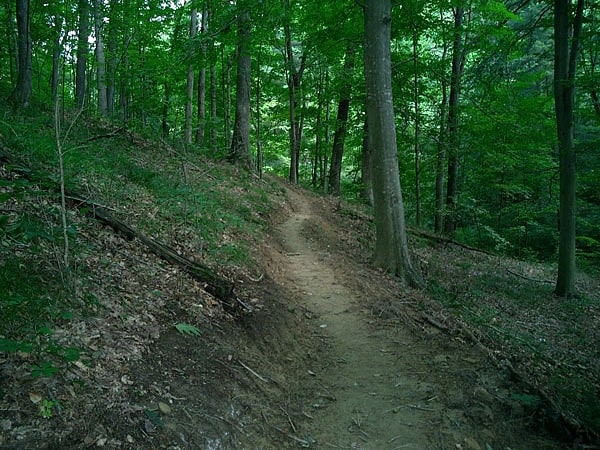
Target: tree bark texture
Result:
[[441, 155], [190, 80], [100, 59], [21, 94], [565, 62], [458, 59], [337, 153], [391, 246], [202, 80], [240, 144], [367, 166], [82, 52]]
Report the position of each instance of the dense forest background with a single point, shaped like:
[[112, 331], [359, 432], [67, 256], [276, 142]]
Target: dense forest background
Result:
[[472, 84]]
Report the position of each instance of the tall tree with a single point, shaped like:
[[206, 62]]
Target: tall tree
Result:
[[391, 246], [335, 168], [565, 64], [190, 78], [202, 77], [294, 73], [240, 143], [100, 58], [441, 151], [82, 53], [458, 64], [21, 94]]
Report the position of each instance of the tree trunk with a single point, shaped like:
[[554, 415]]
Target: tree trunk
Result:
[[320, 157], [441, 154], [240, 144], [56, 51], [112, 63], [21, 94], [337, 153], [190, 80], [165, 128], [226, 83], [82, 53], [458, 58], [100, 59], [294, 79], [213, 103], [259, 154], [391, 246], [367, 166], [202, 80], [11, 43], [417, 136], [565, 63]]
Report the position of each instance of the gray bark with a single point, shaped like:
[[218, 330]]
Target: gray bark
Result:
[[391, 246], [565, 62], [240, 144]]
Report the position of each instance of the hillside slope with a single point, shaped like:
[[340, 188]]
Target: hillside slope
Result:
[[123, 350]]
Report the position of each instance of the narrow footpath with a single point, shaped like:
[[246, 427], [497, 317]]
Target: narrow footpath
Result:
[[385, 387]]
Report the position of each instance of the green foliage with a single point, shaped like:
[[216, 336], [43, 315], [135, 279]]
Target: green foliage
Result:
[[529, 400], [188, 329]]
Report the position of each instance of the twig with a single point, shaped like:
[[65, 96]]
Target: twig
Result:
[[107, 135], [257, 280], [253, 372], [63, 201], [529, 279], [289, 419]]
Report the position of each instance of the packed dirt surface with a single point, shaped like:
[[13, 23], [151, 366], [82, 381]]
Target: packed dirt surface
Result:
[[383, 386]]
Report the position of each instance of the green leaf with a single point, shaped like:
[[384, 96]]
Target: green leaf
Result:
[[45, 369], [185, 328]]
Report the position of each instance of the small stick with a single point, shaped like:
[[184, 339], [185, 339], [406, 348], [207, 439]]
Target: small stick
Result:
[[289, 419], [253, 372]]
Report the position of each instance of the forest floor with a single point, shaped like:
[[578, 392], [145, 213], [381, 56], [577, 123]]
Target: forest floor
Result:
[[333, 354]]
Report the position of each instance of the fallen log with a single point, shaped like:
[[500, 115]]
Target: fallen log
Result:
[[220, 287], [215, 284]]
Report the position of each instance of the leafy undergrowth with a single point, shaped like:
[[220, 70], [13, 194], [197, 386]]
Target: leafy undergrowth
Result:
[[508, 307], [75, 336]]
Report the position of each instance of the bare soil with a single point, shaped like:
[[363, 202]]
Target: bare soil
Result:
[[333, 355]]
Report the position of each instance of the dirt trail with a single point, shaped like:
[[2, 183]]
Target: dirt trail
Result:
[[383, 387]]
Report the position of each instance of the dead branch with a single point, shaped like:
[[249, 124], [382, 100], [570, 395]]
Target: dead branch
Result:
[[214, 283]]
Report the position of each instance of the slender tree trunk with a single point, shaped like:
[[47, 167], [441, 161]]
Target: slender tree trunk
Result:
[[441, 153], [56, 52], [202, 80], [239, 152], [335, 169], [458, 57], [565, 63], [226, 82], [82, 54], [318, 156], [100, 58], [11, 43], [165, 111], [259, 155], [112, 62], [213, 105], [417, 136], [190, 80], [391, 246], [21, 94], [294, 79], [124, 92]]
